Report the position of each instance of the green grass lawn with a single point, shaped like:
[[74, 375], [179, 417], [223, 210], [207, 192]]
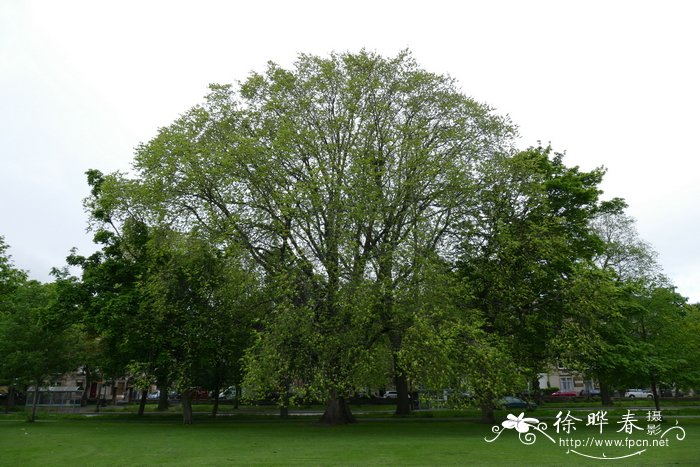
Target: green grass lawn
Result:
[[161, 440]]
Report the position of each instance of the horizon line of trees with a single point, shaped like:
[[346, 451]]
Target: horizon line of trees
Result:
[[352, 222]]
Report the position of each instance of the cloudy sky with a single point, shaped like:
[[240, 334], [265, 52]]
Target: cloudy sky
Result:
[[612, 83]]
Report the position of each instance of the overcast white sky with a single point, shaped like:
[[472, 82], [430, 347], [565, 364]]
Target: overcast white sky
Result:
[[613, 83]]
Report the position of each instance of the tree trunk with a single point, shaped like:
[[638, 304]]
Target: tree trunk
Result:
[[403, 400], [163, 404], [162, 385], [88, 383], [127, 392], [187, 407], [337, 411], [284, 403], [217, 390], [10, 402], [99, 398], [605, 397], [142, 402], [487, 415], [536, 394], [215, 409], [35, 401], [655, 392]]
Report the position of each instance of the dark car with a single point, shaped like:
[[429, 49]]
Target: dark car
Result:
[[590, 392], [510, 402]]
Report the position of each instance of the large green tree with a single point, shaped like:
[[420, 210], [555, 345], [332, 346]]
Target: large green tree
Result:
[[346, 169]]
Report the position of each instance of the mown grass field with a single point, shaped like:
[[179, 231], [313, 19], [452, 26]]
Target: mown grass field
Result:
[[121, 439]]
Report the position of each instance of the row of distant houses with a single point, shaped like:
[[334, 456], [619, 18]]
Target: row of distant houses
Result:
[[71, 388], [120, 391], [566, 380]]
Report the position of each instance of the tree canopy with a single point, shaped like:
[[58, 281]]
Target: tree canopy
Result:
[[346, 169]]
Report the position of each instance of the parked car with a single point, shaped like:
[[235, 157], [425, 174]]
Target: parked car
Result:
[[564, 394], [391, 395], [228, 394], [669, 392], [510, 402], [154, 396], [590, 392], [200, 394], [639, 393]]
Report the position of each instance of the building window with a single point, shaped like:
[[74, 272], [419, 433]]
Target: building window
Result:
[[567, 383]]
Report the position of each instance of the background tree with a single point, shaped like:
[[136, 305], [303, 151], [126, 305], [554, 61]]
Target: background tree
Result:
[[107, 298], [624, 314], [281, 360], [10, 279], [521, 245], [34, 347], [623, 252], [629, 262], [10, 276], [594, 339], [659, 321], [190, 289]]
